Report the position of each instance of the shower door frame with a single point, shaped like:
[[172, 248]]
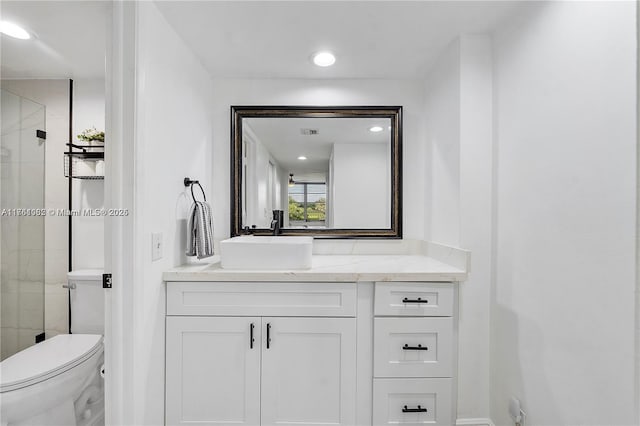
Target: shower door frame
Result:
[[27, 212]]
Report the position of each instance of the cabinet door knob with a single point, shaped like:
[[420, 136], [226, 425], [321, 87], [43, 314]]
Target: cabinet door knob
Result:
[[418, 300], [414, 410], [414, 348]]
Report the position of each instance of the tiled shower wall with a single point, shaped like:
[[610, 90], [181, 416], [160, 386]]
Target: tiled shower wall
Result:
[[22, 269]]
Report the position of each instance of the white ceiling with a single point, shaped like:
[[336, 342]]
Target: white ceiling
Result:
[[69, 39], [371, 39], [283, 138], [255, 39]]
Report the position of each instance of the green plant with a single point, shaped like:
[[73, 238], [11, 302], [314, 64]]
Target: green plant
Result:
[[91, 134], [295, 211]]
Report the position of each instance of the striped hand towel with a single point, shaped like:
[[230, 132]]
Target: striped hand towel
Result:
[[200, 231]]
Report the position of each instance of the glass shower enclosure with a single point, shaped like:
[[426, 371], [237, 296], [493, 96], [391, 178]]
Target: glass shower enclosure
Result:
[[22, 164]]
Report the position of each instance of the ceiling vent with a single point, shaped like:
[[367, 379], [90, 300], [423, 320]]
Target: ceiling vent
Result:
[[309, 132]]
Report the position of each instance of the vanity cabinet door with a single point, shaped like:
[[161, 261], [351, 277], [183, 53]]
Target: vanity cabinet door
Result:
[[213, 371], [309, 371]]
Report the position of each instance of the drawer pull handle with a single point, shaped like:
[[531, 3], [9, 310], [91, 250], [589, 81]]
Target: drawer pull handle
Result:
[[418, 300], [414, 410], [414, 348], [251, 339]]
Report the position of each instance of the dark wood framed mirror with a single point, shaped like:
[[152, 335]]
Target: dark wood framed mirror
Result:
[[326, 172]]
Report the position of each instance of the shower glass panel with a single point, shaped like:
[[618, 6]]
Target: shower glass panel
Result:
[[22, 223]]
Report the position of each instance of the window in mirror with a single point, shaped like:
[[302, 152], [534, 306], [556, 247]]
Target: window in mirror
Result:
[[307, 205]]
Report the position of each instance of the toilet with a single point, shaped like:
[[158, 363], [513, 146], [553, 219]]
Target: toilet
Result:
[[59, 381]]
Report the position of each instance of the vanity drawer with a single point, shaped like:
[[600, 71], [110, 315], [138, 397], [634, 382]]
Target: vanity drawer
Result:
[[413, 347], [318, 299], [414, 299], [396, 401]]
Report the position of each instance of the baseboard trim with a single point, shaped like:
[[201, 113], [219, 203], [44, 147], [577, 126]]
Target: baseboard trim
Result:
[[474, 422]]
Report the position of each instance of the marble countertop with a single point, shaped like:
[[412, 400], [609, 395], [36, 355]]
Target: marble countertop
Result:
[[345, 268]]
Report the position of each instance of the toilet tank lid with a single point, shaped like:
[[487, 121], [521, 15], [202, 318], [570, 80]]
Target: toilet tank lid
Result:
[[86, 274]]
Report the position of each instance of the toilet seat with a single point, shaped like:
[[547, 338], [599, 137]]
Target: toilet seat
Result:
[[47, 359]]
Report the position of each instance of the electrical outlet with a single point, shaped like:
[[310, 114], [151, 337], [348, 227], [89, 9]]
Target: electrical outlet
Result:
[[514, 409], [523, 416], [156, 246]]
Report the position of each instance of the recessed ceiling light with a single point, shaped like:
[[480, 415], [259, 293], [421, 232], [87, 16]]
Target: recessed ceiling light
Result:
[[324, 59], [302, 157], [13, 30], [375, 129]]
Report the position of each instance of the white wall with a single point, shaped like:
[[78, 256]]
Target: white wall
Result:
[[476, 179], [172, 141], [563, 311], [458, 117], [362, 196], [322, 92], [88, 231], [442, 124]]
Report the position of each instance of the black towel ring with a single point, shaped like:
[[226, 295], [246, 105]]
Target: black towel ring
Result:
[[189, 182]]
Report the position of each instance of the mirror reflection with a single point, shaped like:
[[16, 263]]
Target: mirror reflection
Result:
[[324, 171], [320, 172]]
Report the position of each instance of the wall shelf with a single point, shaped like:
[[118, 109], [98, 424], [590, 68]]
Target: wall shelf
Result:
[[84, 164]]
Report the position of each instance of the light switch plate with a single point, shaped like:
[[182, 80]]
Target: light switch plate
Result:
[[156, 246]]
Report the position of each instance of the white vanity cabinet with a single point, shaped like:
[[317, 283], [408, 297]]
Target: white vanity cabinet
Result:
[[311, 353], [414, 354], [243, 353]]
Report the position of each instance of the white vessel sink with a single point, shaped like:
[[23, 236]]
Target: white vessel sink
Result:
[[260, 253]]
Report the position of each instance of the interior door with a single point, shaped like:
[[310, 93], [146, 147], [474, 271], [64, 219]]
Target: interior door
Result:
[[213, 371], [308, 371]]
